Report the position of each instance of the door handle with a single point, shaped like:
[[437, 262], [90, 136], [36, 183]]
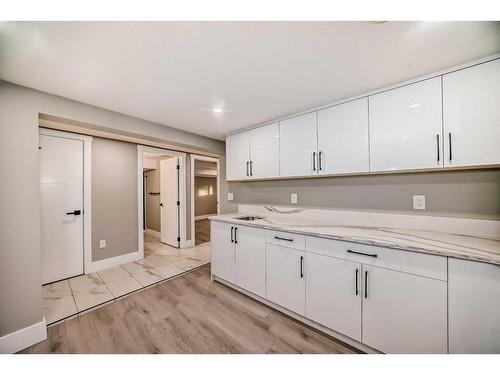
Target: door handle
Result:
[[301, 267], [366, 284], [232, 240], [161, 204], [357, 271], [75, 212]]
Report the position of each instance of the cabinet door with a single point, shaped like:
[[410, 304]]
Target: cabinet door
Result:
[[333, 294], [471, 115], [251, 259], [237, 156], [285, 284], [474, 307], [343, 138], [406, 127], [403, 313], [264, 151], [222, 244], [298, 146]]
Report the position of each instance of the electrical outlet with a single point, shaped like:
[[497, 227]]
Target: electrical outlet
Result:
[[419, 202], [293, 198], [230, 196], [102, 244]]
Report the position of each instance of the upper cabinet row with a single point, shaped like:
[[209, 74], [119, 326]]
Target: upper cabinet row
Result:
[[446, 121]]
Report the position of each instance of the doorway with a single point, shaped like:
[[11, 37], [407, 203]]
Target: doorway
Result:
[[205, 196], [162, 196]]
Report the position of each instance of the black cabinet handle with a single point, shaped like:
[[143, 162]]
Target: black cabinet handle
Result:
[[284, 239], [301, 267], [314, 161], [247, 168], [357, 271], [366, 284], [437, 143], [449, 140], [75, 212], [360, 253], [235, 236], [251, 167], [232, 240]]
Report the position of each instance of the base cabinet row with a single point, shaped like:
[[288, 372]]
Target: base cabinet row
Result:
[[386, 309]]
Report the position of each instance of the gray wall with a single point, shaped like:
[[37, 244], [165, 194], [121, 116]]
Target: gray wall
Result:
[[205, 204], [20, 302], [473, 194], [153, 201], [114, 198]]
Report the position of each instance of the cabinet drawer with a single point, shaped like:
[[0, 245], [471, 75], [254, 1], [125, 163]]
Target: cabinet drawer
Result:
[[292, 240], [426, 265]]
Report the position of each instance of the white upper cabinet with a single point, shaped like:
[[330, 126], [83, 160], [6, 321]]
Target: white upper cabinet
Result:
[[406, 127], [343, 138], [471, 115], [264, 151], [298, 146], [238, 156]]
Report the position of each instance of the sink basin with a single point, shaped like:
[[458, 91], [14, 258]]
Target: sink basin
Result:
[[249, 218]]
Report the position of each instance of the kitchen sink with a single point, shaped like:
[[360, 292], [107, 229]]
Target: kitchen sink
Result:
[[249, 218]]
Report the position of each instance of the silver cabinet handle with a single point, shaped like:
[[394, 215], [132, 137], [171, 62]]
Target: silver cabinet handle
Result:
[[247, 168], [437, 144], [314, 161], [449, 140], [251, 168], [319, 160]]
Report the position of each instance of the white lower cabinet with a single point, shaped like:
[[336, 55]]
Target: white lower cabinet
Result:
[[285, 273], [333, 294], [222, 244], [403, 313], [250, 259], [474, 307]]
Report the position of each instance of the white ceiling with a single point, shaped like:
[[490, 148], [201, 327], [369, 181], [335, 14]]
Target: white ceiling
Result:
[[175, 73]]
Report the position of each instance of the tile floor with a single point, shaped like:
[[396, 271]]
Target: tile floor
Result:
[[68, 298]]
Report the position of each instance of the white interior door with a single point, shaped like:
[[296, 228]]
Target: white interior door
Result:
[[169, 201], [61, 196]]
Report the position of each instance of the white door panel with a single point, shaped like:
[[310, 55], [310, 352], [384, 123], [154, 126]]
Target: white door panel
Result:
[[169, 196], [238, 156], [406, 127], [471, 115], [343, 138], [333, 294], [222, 245], [264, 151], [403, 313], [298, 146], [61, 192]]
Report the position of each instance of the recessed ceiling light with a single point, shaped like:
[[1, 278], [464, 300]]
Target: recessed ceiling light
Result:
[[218, 110]]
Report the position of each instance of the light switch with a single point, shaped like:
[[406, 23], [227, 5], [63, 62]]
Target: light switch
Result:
[[230, 196], [419, 202], [293, 198], [102, 244]]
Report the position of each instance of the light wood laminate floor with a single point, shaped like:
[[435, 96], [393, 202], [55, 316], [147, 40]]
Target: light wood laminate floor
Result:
[[189, 314], [202, 231]]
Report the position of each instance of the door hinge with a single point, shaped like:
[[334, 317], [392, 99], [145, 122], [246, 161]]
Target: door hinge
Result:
[[178, 239], [178, 167], [178, 203]]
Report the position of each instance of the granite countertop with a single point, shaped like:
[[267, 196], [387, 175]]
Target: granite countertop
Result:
[[452, 245]]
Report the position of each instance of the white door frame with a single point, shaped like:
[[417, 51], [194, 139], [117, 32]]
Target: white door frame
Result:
[[140, 193], [87, 187], [204, 158]]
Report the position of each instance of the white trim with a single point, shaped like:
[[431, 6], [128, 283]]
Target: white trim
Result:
[[203, 217], [153, 233], [87, 188], [100, 265], [182, 190], [204, 158], [373, 92], [23, 338], [337, 335], [189, 243]]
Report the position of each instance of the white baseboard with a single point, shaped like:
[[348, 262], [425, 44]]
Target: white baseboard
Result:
[[113, 262], [153, 233], [202, 217], [188, 243], [24, 338]]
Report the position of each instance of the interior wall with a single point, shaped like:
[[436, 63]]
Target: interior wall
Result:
[[205, 196], [20, 303], [153, 201], [473, 193]]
